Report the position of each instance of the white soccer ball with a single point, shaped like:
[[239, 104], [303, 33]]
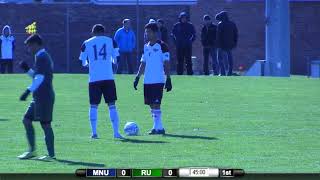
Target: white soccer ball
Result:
[[131, 129]]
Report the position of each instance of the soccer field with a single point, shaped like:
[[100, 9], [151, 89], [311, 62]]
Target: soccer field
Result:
[[256, 124]]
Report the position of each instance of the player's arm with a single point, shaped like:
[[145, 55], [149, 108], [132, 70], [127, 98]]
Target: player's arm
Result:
[[38, 77], [84, 56], [141, 69], [168, 84], [115, 52], [36, 82], [167, 69], [166, 64], [140, 72], [26, 69]]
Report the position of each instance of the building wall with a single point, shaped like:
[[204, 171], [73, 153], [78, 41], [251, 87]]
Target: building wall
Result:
[[52, 23], [250, 19]]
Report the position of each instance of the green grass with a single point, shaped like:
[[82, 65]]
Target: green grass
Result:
[[257, 124]]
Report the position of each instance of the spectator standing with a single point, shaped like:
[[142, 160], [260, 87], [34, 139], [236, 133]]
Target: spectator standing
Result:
[[126, 40], [163, 31], [184, 34], [7, 46], [208, 40], [227, 39]]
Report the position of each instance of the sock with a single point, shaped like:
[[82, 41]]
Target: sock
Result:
[[114, 117], [93, 116], [154, 119], [49, 138], [156, 114], [30, 136]]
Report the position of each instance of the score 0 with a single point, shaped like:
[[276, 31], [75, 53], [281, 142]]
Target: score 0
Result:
[[170, 172], [123, 172]]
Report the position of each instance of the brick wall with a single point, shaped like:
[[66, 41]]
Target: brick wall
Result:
[[52, 23], [249, 16]]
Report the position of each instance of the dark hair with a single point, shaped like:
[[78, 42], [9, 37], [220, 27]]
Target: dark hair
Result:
[[153, 26], [206, 17], [98, 28], [34, 39], [161, 21]]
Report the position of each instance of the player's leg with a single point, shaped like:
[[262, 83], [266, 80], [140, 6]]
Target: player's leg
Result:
[[157, 120], [95, 94], [153, 97], [49, 139], [93, 117], [110, 97], [27, 122], [44, 112], [114, 118]]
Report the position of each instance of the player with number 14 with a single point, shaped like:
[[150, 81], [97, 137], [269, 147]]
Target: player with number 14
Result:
[[98, 53]]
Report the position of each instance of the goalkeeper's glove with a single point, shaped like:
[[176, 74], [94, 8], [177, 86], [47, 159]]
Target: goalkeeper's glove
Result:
[[168, 85], [24, 96], [136, 82]]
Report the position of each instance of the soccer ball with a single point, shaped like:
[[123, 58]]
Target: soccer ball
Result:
[[131, 129]]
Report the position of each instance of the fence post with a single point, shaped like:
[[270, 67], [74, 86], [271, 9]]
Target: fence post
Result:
[[138, 33]]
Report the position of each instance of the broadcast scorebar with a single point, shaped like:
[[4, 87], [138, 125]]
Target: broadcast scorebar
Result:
[[192, 172]]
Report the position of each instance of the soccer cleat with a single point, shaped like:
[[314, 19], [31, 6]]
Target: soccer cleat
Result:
[[94, 136], [152, 132], [46, 158], [156, 131], [27, 155], [118, 136], [161, 131]]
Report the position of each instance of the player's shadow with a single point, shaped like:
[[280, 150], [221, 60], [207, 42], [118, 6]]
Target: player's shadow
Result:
[[141, 141], [190, 137], [4, 119], [79, 163]]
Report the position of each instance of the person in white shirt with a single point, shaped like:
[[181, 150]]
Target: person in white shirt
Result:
[[98, 53], [155, 65], [7, 46]]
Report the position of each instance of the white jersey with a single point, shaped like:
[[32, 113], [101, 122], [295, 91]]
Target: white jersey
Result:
[[99, 52], [154, 56]]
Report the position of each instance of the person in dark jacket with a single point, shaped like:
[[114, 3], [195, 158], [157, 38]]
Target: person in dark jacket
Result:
[[163, 31], [184, 34], [227, 39], [208, 40]]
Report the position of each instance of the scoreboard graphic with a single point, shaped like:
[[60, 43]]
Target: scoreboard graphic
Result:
[[192, 172]]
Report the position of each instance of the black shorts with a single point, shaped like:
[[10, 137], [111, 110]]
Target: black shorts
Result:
[[107, 88], [153, 93], [40, 111]]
